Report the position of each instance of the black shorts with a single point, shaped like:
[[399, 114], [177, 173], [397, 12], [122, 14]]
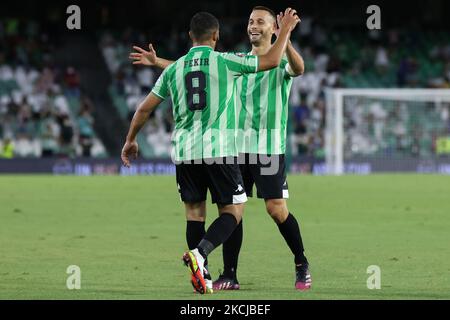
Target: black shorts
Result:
[[267, 172], [223, 180]]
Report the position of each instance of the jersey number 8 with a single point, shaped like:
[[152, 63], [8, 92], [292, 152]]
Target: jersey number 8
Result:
[[195, 82]]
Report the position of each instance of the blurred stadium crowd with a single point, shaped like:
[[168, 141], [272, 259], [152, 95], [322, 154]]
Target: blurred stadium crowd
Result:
[[44, 112], [406, 58]]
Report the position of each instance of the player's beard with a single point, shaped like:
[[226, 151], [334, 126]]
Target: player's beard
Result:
[[257, 40]]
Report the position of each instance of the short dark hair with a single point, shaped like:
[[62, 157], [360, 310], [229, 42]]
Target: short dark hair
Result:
[[272, 13], [203, 24]]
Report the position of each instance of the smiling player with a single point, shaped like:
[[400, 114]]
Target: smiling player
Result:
[[201, 85], [262, 113]]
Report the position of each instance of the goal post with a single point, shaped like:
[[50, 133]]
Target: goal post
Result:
[[390, 130]]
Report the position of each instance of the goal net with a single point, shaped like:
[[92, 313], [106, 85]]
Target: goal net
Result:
[[387, 130]]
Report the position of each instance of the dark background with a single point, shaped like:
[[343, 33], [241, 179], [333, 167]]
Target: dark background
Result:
[[145, 13]]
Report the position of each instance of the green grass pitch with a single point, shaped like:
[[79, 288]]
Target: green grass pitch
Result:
[[127, 234]]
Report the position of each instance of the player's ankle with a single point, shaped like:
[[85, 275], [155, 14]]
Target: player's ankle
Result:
[[301, 260], [202, 253], [230, 273]]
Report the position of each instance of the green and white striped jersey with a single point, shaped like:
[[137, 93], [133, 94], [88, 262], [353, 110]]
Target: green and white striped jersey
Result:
[[202, 87], [262, 110]]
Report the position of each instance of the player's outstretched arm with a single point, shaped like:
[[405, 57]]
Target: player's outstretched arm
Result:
[[273, 57], [130, 149], [296, 64], [148, 58]]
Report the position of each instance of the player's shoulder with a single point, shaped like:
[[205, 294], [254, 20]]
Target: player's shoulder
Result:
[[232, 54], [240, 54], [176, 64], [179, 61]]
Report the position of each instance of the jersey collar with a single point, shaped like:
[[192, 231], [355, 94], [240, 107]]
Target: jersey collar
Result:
[[198, 48]]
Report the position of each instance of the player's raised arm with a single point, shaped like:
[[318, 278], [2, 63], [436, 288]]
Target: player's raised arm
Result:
[[148, 58], [296, 66], [273, 57]]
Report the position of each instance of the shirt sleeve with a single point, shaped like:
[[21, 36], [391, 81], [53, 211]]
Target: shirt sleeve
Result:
[[161, 87], [289, 71], [240, 63], [286, 67]]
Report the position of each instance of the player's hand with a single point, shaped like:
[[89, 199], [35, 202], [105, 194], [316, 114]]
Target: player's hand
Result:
[[289, 19], [129, 150], [279, 17], [147, 58]]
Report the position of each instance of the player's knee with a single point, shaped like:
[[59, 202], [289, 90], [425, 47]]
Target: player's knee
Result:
[[195, 211], [277, 209], [195, 217], [238, 217], [236, 210], [274, 206]]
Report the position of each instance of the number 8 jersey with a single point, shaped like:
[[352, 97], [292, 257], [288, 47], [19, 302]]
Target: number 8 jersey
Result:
[[202, 87]]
